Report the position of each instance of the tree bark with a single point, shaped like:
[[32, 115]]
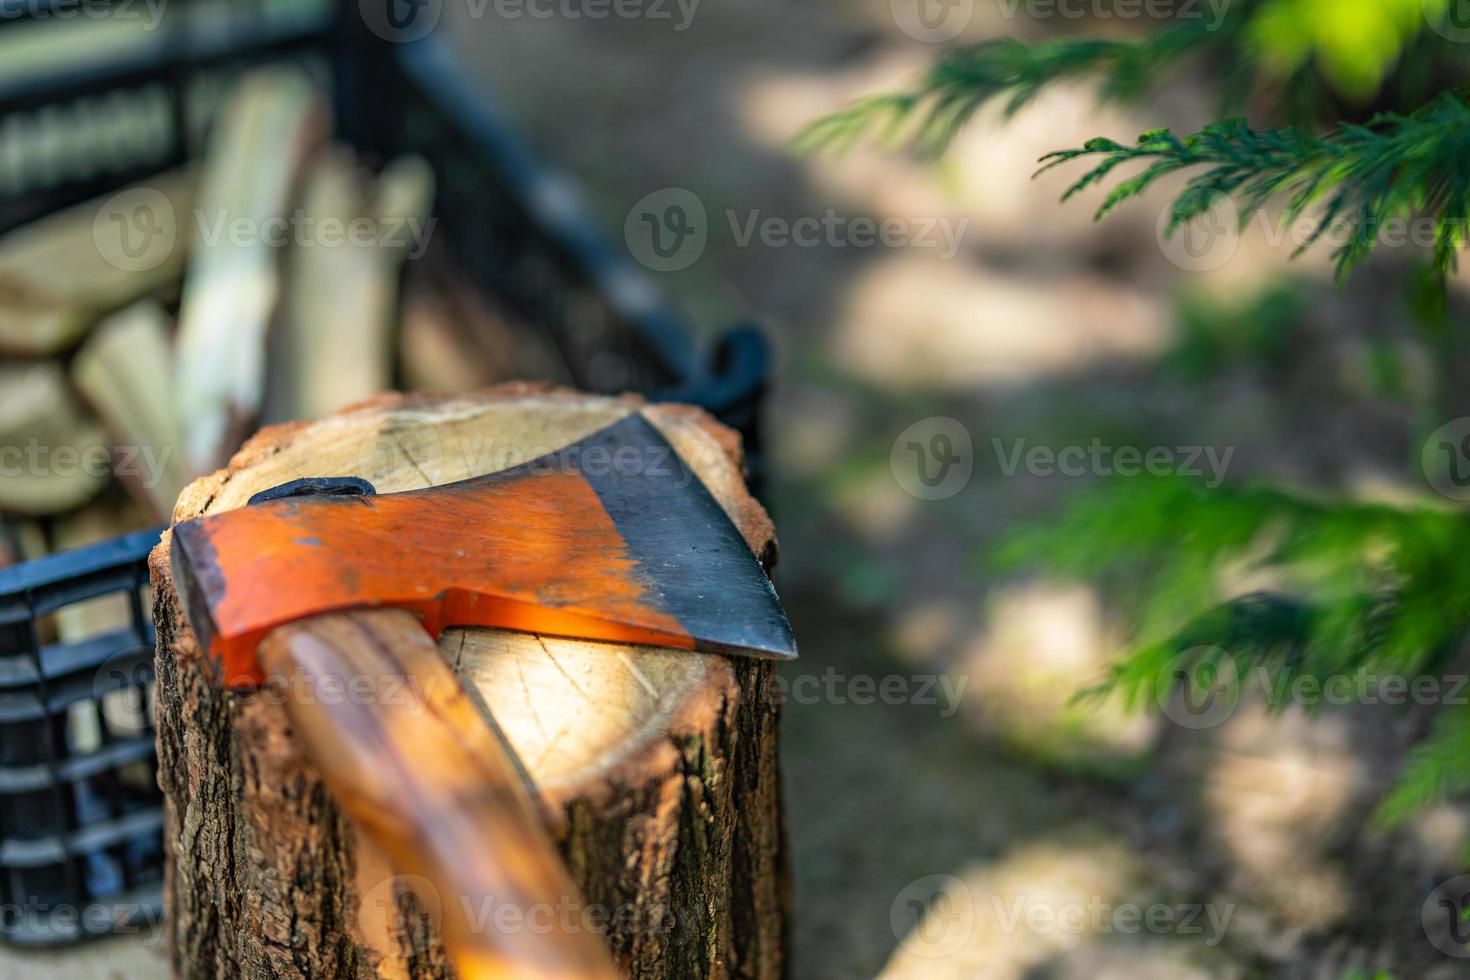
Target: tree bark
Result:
[[656, 769]]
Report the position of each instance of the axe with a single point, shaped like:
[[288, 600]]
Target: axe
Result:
[[328, 588]]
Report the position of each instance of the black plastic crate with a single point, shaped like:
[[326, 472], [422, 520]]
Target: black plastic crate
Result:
[[80, 809], [79, 828]]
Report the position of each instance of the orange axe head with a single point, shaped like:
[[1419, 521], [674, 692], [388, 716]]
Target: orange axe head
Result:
[[612, 538]]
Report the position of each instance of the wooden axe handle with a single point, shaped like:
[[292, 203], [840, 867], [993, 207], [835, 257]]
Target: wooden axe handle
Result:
[[409, 759]]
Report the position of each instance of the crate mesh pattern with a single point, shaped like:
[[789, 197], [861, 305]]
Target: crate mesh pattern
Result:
[[80, 809]]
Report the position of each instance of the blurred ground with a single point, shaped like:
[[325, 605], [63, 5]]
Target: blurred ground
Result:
[[925, 837]]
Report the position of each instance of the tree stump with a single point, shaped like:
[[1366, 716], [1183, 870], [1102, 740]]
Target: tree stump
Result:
[[656, 768]]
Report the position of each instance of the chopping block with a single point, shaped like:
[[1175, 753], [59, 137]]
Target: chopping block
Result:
[[653, 769]]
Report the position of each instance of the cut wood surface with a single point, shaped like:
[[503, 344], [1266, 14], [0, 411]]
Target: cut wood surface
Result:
[[60, 274], [656, 769], [123, 372], [269, 127]]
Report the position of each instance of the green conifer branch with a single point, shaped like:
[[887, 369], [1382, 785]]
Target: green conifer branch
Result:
[[1354, 179], [966, 79]]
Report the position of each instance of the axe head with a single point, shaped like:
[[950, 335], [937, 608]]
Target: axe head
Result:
[[612, 538]]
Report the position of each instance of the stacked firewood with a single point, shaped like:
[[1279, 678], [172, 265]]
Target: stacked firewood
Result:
[[145, 334]]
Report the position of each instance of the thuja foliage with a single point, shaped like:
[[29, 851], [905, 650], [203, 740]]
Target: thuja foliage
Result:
[[1361, 132], [1293, 55], [1355, 178], [1341, 589]]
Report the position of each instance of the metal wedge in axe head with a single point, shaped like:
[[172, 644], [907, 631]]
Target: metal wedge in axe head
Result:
[[322, 583]]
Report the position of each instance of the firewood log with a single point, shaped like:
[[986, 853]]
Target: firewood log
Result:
[[123, 371], [53, 456], [268, 129], [656, 769], [60, 274], [333, 345]]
